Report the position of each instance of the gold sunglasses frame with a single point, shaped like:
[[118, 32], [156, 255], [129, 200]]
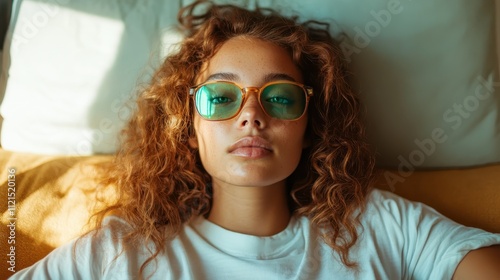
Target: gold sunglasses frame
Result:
[[244, 92]]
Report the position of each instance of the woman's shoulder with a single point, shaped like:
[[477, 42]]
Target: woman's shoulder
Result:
[[388, 202], [411, 219], [386, 208], [377, 196], [430, 244], [115, 223], [85, 257], [104, 238]]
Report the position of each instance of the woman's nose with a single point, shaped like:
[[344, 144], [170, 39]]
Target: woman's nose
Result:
[[252, 113]]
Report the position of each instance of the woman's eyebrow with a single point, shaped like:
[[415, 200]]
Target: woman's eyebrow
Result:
[[227, 76], [277, 76], [223, 76]]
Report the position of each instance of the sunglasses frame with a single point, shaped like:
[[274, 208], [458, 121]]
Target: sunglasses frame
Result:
[[308, 91]]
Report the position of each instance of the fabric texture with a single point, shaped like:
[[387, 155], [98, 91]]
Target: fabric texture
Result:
[[54, 197], [399, 240]]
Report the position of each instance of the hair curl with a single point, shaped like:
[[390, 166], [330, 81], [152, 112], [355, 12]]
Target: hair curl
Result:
[[159, 178]]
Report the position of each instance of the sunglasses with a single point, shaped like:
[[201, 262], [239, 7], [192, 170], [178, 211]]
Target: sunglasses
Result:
[[222, 100]]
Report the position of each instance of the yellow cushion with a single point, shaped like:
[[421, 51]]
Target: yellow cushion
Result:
[[53, 199]]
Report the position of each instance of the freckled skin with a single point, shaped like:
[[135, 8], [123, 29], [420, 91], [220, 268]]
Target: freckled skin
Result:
[[250, 60]]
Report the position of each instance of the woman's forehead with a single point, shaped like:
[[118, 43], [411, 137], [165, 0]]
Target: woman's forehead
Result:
[[250, 60]]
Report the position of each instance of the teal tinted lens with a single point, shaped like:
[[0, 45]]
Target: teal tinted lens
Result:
[[218, 101], [284, 101]]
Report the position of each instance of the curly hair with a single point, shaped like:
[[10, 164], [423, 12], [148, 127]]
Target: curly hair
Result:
[[159, 178]]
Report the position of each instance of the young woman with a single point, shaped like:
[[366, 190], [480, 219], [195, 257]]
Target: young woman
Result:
[[247, 159]]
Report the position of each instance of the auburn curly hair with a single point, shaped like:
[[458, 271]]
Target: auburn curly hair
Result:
[[159, 178]]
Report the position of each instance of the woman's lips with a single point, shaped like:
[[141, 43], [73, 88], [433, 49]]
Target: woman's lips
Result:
[[251, 152], [251, 147]]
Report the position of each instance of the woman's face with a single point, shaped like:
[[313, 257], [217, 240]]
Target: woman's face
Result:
[[250, 149]]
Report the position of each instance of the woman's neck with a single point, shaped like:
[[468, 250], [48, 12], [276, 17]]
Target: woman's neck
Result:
[[259, 211]]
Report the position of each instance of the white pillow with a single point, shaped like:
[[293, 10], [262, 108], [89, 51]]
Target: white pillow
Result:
[[73, 66], [427, 73]]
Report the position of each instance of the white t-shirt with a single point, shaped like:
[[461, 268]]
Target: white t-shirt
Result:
[[400, 240]]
